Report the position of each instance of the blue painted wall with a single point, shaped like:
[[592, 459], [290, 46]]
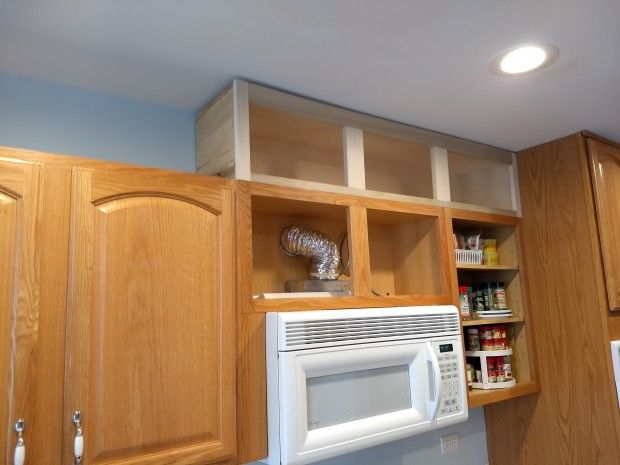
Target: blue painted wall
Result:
[[50, 117], [54, 118]]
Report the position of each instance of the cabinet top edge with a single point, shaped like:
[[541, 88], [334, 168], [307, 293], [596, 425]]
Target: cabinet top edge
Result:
[[590, 135], [345, 196], [72, 161], [261, 94]]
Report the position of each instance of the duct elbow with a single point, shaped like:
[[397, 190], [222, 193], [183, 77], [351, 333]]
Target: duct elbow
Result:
[[319, 248]]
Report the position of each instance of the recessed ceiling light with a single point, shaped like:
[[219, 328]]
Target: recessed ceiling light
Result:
[[523, 59]]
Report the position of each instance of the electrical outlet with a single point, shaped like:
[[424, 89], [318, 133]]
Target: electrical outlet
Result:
[[449, 443]]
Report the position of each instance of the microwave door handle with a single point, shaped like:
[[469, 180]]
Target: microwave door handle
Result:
[[437, 383]]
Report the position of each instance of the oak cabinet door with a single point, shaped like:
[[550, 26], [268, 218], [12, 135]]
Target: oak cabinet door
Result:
[[605, 165], [34, 218], [151, 318]]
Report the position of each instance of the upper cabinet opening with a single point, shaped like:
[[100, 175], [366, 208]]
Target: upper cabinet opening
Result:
[[481, 181], [254, 133], [397, 166], [274, 270], [291, 146]]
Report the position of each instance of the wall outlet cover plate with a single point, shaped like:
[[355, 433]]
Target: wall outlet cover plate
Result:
[[450, 443]]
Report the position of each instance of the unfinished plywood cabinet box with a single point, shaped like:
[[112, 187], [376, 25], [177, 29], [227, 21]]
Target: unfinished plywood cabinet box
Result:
[[251, 132], [401, 253], [395, 190]]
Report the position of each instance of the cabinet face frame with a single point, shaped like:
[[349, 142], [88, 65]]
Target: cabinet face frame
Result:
[[525, 345], [34, 211], [357, 227], [608, 219], [102, 199]]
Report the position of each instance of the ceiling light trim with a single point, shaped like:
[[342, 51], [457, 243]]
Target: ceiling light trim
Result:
[[551, 55]]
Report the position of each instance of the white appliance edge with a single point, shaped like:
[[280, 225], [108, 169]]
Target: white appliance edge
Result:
[[290, 443]]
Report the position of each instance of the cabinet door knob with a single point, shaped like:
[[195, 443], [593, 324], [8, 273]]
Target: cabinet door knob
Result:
[[78, 442], [20, 447]]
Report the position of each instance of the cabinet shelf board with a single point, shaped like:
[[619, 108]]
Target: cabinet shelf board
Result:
[[482, 220], [491, 321], [480, 397], [336, 303], [471, 267]]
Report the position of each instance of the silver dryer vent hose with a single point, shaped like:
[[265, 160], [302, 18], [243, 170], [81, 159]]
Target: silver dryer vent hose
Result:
[[318, 247]]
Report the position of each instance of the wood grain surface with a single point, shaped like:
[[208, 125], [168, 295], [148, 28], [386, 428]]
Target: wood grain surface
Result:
[[574, 419], [605, 168], [34, 219], [151, 318]]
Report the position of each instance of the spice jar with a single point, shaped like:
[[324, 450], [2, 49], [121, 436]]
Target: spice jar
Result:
[[486, 338], [507, 368], [479, 300], [499, 296], [499, 369], [487, 295], [473, 339], [470, 300], [499, 337], [491, 373], [464, 302]]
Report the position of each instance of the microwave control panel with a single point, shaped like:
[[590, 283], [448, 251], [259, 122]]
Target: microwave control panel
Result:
[[450, 364]]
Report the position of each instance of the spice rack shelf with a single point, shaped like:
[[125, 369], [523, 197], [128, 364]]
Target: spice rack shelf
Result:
[[490, 321], [483, 360], [506, 230], [465, 266], [480, 397]]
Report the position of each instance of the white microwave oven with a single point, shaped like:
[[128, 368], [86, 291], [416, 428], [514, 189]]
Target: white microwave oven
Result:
[[344, 380]]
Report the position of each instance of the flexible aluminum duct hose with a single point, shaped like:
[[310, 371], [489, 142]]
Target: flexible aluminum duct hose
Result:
[[319, 248]]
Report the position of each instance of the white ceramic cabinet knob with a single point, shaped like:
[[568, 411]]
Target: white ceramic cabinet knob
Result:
[[78, 442], [19, 456]]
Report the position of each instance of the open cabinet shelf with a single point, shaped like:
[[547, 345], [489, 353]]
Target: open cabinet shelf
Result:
[[506, 231], [481, 181], [397, 166], [255, 133], [491, 321], [471, 267], [272, 268], [288, 145], [394, 250], [405, 253], [479, 397]]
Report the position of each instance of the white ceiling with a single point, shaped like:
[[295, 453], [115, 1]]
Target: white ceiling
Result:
[[420, 62]]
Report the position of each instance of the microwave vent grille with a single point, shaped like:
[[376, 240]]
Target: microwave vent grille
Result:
[[334, 332]]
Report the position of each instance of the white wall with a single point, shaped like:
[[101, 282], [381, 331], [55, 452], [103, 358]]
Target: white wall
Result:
[[50, 117], [424, 449]]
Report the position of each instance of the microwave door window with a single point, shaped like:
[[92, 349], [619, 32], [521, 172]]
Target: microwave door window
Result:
[[355, 395], [340, 399]]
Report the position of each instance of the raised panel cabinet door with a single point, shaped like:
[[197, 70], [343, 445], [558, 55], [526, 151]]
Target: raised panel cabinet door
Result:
[[151, 318], [605, 166], [34, 207]]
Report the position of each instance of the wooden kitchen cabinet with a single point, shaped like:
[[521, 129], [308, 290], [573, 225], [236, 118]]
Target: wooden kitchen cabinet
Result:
[[605, 169], [34, 223], [574, 418], [151, 319], [136, 266]]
